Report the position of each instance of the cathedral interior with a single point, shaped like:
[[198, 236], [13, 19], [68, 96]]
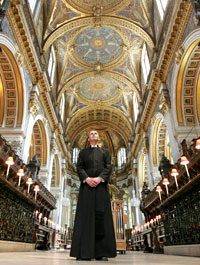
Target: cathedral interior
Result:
[[126, 68]]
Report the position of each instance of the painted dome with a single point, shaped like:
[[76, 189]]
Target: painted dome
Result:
[[98, 45], [98, 88]]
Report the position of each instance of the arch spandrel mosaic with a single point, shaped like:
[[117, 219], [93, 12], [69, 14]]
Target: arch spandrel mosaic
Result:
[[98, 45]]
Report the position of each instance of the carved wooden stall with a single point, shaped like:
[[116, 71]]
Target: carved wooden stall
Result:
[[19, 206], [119, 220], [179, 209]]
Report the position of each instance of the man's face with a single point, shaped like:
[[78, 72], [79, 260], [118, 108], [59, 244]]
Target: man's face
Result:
[[93, 136]]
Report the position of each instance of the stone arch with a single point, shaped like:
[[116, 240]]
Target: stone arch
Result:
[[11, 86], [39, 143], [160, 141], [186, 79]]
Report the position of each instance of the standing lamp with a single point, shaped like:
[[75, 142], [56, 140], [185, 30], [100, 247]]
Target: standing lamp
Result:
[[185, 161], [175, 173], [197, 146], [36, 189], [29, 182], [166, 183], [20, 173], [159, 190], [9, 162]]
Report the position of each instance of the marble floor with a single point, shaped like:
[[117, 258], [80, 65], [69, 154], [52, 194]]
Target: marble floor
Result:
[[62, 258]]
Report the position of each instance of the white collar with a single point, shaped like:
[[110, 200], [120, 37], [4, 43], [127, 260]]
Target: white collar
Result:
[[93, 145]]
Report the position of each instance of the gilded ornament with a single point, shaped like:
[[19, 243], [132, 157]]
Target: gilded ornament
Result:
[[33, 106]]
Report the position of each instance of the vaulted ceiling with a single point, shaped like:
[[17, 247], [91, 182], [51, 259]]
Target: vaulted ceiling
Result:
[[98, 47]]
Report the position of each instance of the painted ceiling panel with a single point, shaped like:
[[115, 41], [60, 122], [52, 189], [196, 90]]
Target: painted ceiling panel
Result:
[[98, 47], [139, 11]]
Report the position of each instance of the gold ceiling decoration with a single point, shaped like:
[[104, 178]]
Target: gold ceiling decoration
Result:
[[99, 116], [96, 7], [128, 86], [105, 20]]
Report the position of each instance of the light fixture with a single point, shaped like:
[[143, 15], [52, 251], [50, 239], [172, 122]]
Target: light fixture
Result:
[[36, 189], [159, 190], [185, 161], [166, 183], [197, 146], [175, 173], [9, 162], [39, 217], [45, 220], [29, 182], [20, 173]]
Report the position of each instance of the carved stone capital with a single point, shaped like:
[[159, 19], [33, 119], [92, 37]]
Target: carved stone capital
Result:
[[19, 58], [179, 54], [53, 147], [146, 145], [165, 104], [33, 106]]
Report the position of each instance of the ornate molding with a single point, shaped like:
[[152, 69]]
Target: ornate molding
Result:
[[165, 104], [104, 20], [119, 78], [21, 32], [96, 9], [172, 41]]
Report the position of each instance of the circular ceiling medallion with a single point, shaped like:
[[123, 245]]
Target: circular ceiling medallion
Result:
[[98, 88], [98, 45]]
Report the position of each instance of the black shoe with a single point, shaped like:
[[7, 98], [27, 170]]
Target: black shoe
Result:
[[102, 259], [82, 259]]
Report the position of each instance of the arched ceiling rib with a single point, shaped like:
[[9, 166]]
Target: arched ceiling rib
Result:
[[106, 117], [104, 20], [128, 86]]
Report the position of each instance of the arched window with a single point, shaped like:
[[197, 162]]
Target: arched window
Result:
[[145, 63], [121, 157], [161, 4], [62, 106], [135, 106], [51, 65], [75, 155], [34, 6]]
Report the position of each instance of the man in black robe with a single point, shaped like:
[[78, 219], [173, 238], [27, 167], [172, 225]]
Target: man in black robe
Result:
[[93, 234]]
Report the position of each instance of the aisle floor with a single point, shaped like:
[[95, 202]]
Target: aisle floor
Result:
[[62, 258]]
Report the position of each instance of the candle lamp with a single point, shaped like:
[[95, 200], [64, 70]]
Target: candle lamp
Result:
[[36, 213], [175, 173], [197, 146], [20, 173], [45, 220], [39, 217], [9, 162], [185, 161], [29, 182], [159, 190], [166, 183], [36, 189]]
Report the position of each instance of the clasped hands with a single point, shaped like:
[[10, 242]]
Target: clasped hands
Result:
[[93, 182]]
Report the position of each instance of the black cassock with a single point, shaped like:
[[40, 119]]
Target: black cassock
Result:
[[93, 234]]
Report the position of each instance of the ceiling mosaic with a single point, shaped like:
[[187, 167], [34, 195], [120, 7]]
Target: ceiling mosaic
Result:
[[98, 45], [98, 88]]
